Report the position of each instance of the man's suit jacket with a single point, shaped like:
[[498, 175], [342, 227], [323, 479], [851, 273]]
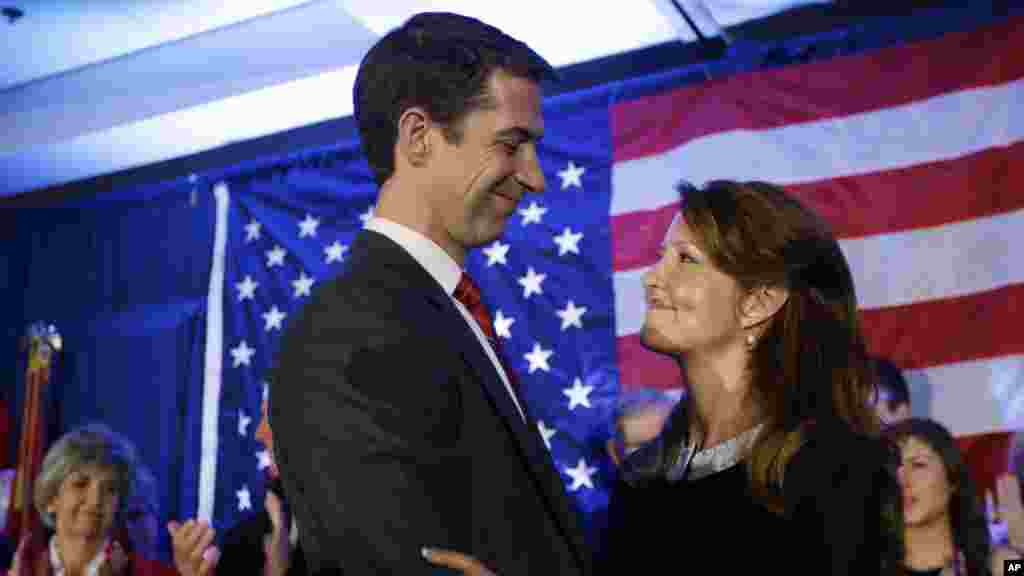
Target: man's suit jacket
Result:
[[393, 431]]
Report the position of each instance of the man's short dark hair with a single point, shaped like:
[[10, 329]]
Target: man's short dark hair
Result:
[[440, 62], [892, 386]]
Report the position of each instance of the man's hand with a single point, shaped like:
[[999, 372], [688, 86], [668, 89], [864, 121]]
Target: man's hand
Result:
[[466, 564], [193, 555]]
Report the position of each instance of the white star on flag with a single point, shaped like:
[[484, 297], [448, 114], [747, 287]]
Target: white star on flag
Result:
[[275, 257], [571, 316], [273, 319], [252, 231], [335, 252], [241, 354], [243, 423], [302, 285], [308, 226], [365, 216], [502, 324], [531, 282], [263, 460], [581, 475], [244, 499], [568, 241], [545, 433], [496, 253], [578, 394], [538, 358], [571, 176], [532, 213], [246, 288]]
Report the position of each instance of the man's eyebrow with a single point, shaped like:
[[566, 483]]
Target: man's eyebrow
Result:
[[520, 133]]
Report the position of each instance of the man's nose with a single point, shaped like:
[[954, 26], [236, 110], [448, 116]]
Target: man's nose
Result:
[[530, 175]]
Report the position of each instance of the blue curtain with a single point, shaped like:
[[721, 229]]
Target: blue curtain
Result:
[[124, 278]]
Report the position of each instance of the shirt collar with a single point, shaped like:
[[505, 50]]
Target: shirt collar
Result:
[[441, 267], [91, 569]]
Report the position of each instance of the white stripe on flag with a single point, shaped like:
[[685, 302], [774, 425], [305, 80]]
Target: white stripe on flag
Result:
[[940, 128], [895, 269], [214, 360], [971, 397], [947, 261]]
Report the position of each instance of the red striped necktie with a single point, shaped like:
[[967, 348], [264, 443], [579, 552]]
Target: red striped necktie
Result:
[[468, 293]]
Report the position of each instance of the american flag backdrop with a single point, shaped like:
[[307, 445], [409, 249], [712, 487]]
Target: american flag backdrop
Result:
[[914, 153]]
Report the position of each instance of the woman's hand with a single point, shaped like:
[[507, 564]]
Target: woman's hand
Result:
[[193, 555], [114, 563], [466, 564], [1011, 510]]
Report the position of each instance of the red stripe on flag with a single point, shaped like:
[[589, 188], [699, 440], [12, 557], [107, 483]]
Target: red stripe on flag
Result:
[[921, 196], [636, 236], [834, 88], [641, 368], [927, 334], [987, 456]]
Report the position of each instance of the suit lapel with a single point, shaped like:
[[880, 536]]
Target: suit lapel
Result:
[[378, 253], [536, 456]]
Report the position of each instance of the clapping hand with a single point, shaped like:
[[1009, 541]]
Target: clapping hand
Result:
[[115, 562], [193, 553], [1011, 510]]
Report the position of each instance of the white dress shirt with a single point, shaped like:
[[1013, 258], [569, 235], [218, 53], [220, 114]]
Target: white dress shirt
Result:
[[447, 272]]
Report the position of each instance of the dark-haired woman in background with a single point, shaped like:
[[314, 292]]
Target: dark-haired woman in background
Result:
[[945, 529]]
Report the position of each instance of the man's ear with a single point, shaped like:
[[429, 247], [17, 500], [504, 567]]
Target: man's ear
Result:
[[761, 303], [414, 133]]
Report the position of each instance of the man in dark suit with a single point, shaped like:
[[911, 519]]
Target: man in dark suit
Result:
[[397, 425]]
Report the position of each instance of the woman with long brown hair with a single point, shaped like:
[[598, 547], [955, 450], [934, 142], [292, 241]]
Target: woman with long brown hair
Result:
[[773, 459]]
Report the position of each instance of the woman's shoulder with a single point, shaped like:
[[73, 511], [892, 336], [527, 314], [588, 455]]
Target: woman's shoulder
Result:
[[828, 445], [840, 487], [836, 461]]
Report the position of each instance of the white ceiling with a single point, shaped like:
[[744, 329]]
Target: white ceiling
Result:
[[96, 86]]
